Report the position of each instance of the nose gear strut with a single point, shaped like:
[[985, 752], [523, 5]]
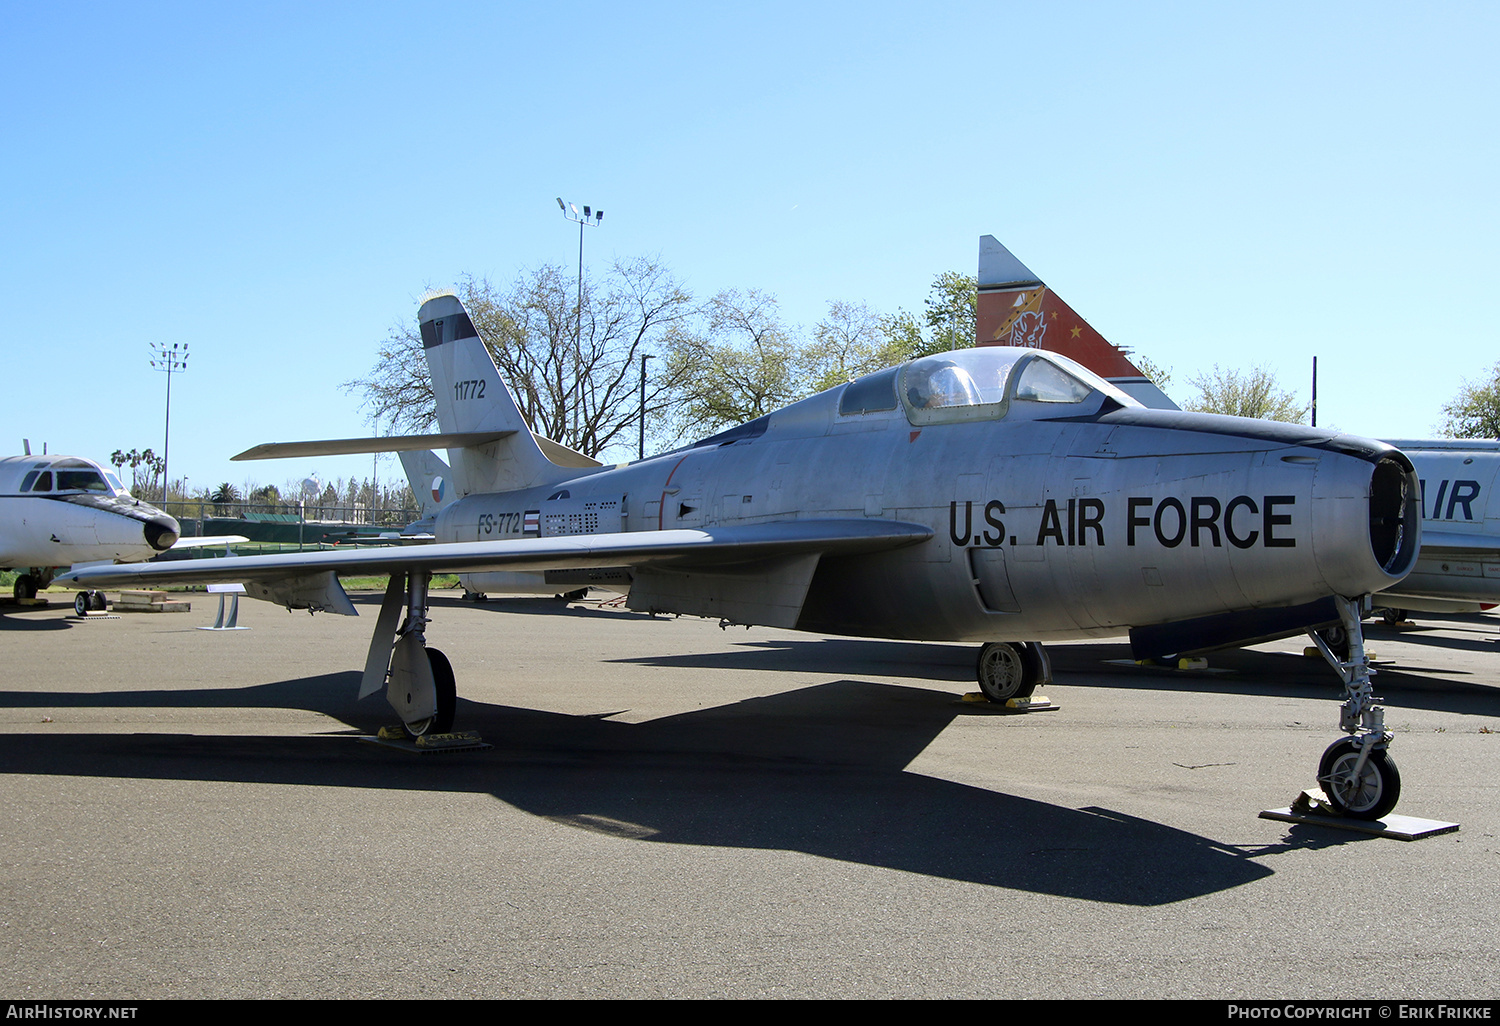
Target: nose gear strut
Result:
[[1357, 773]]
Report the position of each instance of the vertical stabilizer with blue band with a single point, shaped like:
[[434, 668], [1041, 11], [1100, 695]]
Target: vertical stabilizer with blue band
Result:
[[472, 398]]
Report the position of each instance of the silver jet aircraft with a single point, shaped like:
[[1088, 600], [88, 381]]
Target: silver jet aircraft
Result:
[[1458, 567], [1002, 496], [60, 511]]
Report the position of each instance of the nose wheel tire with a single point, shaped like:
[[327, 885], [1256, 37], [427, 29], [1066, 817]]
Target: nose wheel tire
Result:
[[440, 722], [1370, 795], [1002, 673]]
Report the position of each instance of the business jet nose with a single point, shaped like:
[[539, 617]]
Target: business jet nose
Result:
[[162, 532]]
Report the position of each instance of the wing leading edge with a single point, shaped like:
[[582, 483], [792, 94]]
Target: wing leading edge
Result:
[[308, 579]]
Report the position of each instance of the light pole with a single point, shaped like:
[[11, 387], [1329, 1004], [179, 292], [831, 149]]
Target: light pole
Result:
[[1315, 393], [583, 222], [171, 361], [644, 358]]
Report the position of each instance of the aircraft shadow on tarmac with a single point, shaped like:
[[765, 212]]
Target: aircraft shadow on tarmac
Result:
[[819, 770], [1435, 688], [1235, 671], [14, 618], [1473, 639]]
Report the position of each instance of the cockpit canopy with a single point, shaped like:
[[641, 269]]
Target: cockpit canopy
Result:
[[70, 475], [976, 384]]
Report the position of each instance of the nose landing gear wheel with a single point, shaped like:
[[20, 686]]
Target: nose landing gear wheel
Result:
[[1002, 673], [1372, 793]]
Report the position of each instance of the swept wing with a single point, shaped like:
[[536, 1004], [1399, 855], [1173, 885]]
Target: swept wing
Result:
[[714, 548]]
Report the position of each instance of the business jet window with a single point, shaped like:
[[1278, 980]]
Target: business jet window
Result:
[[1044, 382], [81, 481], [964, 385]]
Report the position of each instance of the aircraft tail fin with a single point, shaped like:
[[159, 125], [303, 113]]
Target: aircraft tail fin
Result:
[[471, 398], [430, 479], [1017, 309]]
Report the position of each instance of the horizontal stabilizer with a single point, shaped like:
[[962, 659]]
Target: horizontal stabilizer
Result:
[[384, 443], [563, 456]]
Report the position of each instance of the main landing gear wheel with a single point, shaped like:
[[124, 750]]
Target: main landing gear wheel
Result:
[[1002, 673], [25, 587], [1369, 795], [440, 722], [86, 601]]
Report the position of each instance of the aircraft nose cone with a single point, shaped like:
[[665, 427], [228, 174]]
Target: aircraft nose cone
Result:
[[162, 532]]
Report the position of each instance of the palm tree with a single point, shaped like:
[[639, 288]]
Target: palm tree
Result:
[[222, 496]]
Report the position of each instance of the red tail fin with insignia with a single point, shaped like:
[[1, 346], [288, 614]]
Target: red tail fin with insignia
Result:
[[1017, 309]]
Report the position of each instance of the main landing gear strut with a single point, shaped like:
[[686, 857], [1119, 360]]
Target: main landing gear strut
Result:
[[1357, 772], [418, 680]]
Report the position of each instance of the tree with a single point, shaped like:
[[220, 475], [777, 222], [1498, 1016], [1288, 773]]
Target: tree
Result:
[[844, 343], [1475, 411], [153, 464], [264, 498], [953, 311], [223, 496], [744, 365], [853, 340], [747, 362], [1253, 394], [581, 388], [1157, 375]]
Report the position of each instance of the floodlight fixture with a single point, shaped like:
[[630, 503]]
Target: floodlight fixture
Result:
[[583, 222]]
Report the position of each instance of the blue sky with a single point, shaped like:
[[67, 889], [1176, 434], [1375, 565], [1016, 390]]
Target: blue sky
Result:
[[276, 185]]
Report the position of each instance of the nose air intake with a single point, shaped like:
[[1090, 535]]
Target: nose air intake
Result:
[[162, 532], [1394, 517]]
